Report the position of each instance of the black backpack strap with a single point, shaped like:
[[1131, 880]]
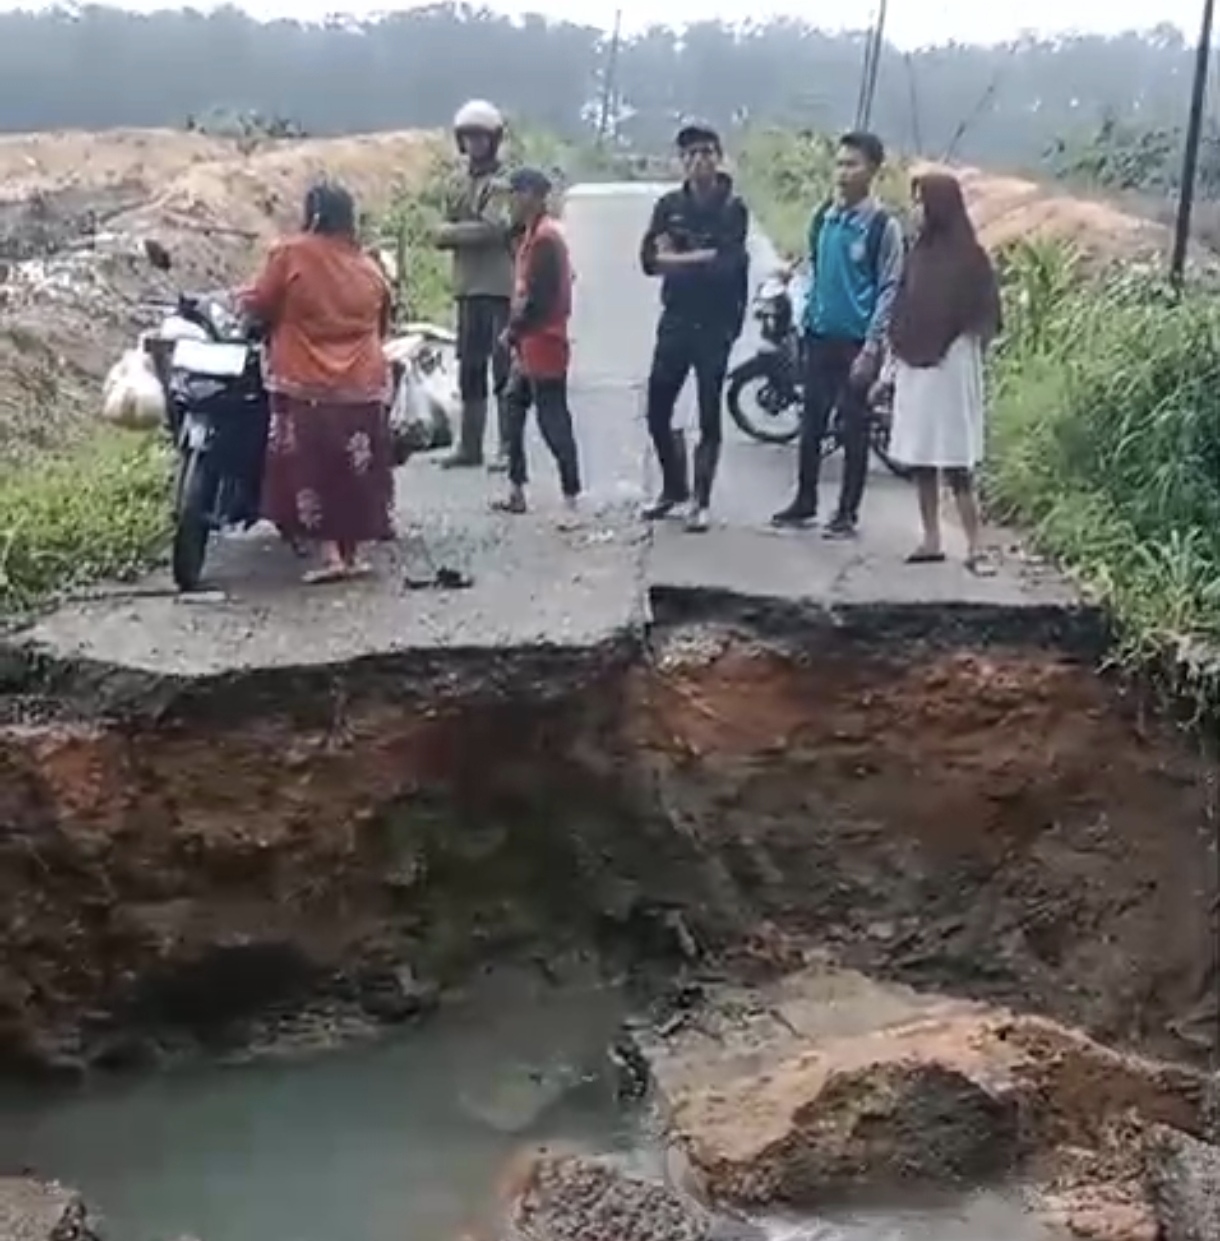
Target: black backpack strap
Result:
[[815, 232], [876, 239]]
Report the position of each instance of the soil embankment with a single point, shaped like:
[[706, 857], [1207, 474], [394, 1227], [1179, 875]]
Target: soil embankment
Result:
[[993, 822], [75, 209]]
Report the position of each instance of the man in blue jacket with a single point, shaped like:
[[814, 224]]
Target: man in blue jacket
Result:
[[696, 243], [855, 256]]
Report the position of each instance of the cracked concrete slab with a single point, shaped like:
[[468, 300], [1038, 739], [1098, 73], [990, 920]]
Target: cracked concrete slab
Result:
[[535, 584]]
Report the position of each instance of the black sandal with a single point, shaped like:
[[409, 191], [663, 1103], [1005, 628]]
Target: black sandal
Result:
[[923, 556]]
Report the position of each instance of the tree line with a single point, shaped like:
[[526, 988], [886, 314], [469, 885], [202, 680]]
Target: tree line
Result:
[[98, 67]]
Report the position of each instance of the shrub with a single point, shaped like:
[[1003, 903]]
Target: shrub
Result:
[[785, 174]]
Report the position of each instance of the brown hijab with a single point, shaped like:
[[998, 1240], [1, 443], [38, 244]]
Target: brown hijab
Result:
[[949, 286]]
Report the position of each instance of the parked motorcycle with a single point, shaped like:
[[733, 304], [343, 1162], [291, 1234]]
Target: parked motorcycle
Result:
[[765, 393], [209, 361]]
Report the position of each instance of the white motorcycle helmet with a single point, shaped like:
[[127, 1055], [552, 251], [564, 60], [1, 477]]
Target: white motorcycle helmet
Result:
[[477, 116]]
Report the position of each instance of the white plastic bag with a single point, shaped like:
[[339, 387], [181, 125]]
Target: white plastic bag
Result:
[[132, 396]]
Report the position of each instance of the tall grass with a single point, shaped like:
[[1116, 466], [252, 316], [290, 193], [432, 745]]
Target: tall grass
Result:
[[1105, 438]]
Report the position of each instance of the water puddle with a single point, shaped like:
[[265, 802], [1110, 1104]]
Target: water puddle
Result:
[[378, 1143], [398, 1139]]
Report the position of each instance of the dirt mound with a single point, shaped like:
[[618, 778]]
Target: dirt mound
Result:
[[1008, 209], [75, 210]]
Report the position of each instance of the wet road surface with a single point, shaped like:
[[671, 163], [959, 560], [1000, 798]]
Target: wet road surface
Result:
[[533, 582]]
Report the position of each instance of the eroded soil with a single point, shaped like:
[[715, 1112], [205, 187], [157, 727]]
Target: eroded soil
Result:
[[998, 824]]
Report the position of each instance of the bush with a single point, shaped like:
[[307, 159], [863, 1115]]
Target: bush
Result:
[[785, 174], [101, 511], [407, 230], [1105, 439]]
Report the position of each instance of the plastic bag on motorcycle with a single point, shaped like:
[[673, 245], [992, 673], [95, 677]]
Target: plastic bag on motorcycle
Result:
[[132, 395], [419, 421]]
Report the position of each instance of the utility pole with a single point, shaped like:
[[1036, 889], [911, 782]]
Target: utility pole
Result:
[[1190, 157], [913, 104], [610, 80], [872, 63]]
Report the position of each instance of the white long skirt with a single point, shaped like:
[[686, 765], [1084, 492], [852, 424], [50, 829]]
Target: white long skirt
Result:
[[938, 410]]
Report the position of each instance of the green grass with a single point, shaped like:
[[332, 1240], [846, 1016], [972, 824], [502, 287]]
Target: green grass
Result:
[[100, 510], [1105, 439]]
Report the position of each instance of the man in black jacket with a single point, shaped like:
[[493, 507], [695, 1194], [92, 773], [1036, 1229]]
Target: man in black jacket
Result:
[[696, 243]]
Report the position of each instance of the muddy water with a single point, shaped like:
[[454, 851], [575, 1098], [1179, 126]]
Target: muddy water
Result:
[[384, 1142]]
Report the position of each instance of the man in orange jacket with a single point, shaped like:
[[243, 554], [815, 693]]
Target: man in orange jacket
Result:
[[537, 335]]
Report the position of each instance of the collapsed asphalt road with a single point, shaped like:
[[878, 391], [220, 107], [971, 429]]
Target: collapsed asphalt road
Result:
[[534, 583]]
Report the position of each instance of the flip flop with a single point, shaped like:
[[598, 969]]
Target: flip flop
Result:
[[360, 569], [980, 566], [444, 578], [326, 576], [920, 556]]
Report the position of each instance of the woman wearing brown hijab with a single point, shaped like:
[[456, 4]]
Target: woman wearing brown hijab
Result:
[[946, 314], [329, 474]]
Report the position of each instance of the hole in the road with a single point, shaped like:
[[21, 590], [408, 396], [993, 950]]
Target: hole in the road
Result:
[[837, 942]]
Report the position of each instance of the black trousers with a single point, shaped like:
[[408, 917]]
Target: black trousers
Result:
[[681, 348], [480, 323], [828, 384], [549, 397]]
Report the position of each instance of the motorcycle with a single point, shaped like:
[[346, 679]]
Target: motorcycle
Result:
[[209, 361], [210, 364], [772, 381]]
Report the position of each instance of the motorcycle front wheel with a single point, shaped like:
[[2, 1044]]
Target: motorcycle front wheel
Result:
[[196, 495], [763, 402]]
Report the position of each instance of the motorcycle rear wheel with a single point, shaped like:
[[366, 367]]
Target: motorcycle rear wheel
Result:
[[196, 495], [747, 386]]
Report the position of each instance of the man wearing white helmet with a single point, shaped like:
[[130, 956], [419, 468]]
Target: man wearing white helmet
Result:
[[478, 231]]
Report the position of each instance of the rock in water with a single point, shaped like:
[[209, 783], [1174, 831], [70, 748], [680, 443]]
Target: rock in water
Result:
[[1184, 1181], [576, 1197], [33, 1210]]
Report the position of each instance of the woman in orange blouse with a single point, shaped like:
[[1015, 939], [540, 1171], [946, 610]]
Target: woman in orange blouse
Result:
[[329, 473]]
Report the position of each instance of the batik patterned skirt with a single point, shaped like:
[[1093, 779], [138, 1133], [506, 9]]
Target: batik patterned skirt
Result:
[[330, 473]]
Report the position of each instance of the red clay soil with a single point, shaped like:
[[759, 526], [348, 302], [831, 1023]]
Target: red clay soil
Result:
[[999, 825]]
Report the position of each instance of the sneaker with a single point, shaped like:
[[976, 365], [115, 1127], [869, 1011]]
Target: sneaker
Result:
[[795, 517], [697, 521], [840, 527], [513, 503], [661, 509], [461, 461]]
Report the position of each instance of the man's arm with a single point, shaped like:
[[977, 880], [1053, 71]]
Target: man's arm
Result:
[[492, 227], [649, 243], [889, 276], [542, 290], [730, 252]]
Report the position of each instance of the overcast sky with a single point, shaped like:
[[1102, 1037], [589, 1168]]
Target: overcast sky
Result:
[[912, 22]]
